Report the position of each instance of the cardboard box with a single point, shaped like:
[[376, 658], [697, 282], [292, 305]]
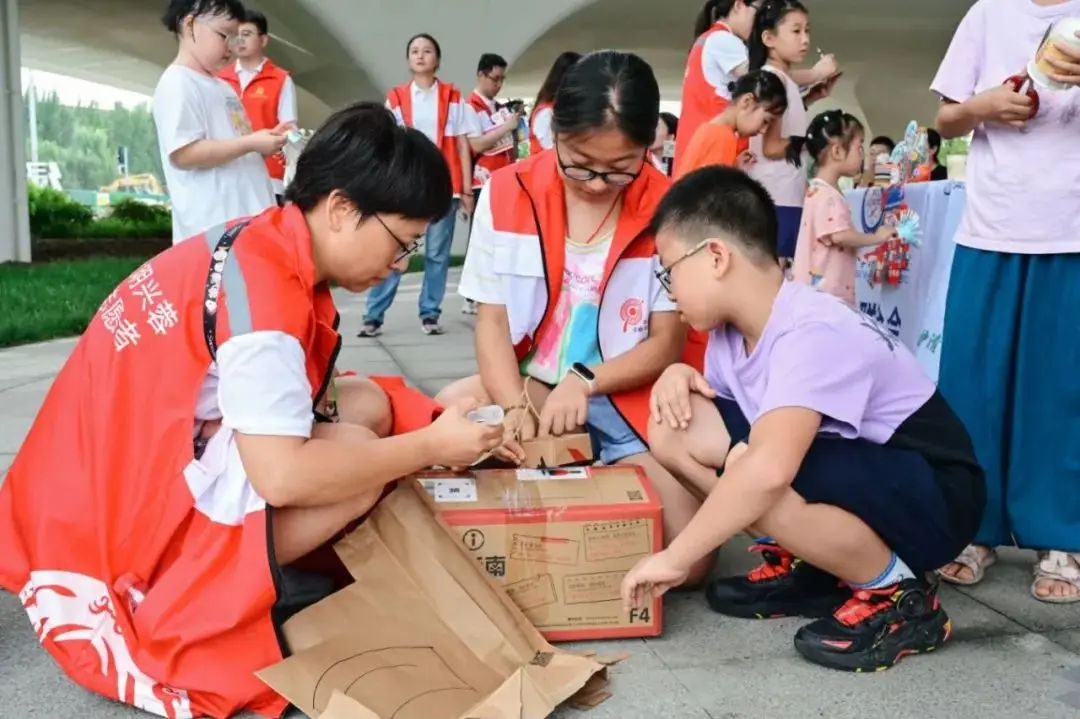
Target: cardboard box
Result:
[[568, 450], [560, 541], [423, 633]]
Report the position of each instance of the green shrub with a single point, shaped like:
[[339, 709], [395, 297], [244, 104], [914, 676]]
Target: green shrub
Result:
[[131, 210], [54, 214]]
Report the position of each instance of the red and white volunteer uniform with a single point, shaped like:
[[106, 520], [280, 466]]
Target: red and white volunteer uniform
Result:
[[437, 112], [709, 70], [541, 136], [149, 574], [482, 118]]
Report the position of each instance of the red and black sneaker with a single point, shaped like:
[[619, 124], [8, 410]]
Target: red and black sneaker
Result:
[[876, 628], [781, 586]]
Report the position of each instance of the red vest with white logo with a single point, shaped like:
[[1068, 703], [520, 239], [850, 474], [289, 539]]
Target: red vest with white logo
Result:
[[261, 100], [700, 103], [399, 100], [535, 148], [533, 257], [138, 581], [485, 165]]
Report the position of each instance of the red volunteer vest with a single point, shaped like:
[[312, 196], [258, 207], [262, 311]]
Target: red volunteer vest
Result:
[[535, 148], [400, 99], [101, 496], [700, 103], [261, 100], [533, 192], [485, 165]]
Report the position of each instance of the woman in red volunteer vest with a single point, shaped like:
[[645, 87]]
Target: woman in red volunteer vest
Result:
[[436, 109], [540, 135], [573, 324], [160, 519], [717, 58]]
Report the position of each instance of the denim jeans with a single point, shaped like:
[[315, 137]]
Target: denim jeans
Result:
[[437, 242]]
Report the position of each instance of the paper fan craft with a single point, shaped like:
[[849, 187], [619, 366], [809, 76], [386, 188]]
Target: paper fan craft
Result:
[[295, 142], [908, 227]]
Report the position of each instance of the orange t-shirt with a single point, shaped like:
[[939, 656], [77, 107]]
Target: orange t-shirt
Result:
[[712, 144]]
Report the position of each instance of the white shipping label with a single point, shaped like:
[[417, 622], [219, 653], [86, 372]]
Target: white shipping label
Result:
[[451, 489]]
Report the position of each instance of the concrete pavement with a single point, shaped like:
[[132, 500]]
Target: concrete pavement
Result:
[[1009, 655]]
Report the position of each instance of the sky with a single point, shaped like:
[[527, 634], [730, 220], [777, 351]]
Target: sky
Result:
[[73, 92]]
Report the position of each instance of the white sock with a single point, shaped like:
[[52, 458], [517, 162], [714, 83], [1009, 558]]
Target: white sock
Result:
[[896, 571]]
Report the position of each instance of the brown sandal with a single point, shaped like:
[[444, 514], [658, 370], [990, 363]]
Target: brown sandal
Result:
[[975, 561]]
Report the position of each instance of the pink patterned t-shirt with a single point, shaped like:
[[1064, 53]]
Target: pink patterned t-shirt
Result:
[[818, 262]]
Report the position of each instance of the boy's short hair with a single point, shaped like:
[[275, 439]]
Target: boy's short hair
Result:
[[717, 201], [490, 61], [256, 18], [884, 141]]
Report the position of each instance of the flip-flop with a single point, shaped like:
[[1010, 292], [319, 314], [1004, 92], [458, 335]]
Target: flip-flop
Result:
[[972, 559], [1057, 566]]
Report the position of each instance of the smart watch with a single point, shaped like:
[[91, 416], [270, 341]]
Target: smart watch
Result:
[[585, 375]]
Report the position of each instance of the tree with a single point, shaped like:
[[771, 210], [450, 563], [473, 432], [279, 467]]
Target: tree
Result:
[[84, 140]]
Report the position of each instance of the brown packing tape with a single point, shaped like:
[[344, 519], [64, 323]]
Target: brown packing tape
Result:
[[422, 634]]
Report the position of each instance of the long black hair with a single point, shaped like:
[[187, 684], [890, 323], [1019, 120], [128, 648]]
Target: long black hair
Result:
[[555, 75], [767, 19], [381, 167], [766, 87], [825, 129], [711, 12], [609, 88]]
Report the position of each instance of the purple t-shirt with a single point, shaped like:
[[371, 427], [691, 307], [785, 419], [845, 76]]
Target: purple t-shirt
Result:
[[817, 352], [1023, 187]]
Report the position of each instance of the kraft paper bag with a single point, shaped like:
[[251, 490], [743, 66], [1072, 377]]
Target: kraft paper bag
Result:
[[423, 633]]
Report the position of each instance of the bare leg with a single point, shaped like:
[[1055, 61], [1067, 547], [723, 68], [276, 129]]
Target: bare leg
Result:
[[827, 537], [463, 390], [300, 530], [693, 454], [679, 505], [361, 402]]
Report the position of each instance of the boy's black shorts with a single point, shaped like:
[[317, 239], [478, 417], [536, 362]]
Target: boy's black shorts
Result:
[[894, 491]]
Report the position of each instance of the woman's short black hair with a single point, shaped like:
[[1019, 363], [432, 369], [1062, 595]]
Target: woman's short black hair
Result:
[[380, 166], [720, 201], [555, 75], [177, 10], [609, 88], [671, 122], [429, 38]]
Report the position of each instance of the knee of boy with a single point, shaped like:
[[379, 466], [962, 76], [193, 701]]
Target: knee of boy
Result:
[[734, 454], [666, 444]]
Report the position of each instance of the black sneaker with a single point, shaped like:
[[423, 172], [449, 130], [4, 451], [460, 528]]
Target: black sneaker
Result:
[[781, 586], [431, 326], [876, 628], [370, 329]]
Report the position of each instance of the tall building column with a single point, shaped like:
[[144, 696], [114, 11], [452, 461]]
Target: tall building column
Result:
[[14, 213]]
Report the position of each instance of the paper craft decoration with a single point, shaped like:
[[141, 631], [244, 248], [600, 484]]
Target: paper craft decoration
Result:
[[888, 263]]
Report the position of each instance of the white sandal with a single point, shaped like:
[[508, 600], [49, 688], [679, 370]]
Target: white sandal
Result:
[[1053, 565], [975, 561]]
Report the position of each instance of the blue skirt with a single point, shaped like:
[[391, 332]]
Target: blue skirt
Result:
[[1010, 368]]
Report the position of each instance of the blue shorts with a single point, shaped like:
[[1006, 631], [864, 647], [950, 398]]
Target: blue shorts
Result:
[[788, 220], [894, 491], [612, 438]]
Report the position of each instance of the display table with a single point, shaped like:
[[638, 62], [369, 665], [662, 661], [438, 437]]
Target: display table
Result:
[[914, 310]]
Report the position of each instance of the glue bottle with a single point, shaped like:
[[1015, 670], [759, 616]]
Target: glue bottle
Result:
[[1061, 34]]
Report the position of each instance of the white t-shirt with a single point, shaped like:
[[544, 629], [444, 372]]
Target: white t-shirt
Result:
[[785, 182], [541, 127], [722, 53], [189, 106]]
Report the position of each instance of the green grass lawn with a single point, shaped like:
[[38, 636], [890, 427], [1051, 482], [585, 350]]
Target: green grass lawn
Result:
[[58, 299]]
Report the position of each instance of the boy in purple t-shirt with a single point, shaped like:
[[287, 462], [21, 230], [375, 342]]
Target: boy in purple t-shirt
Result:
[[837, 451]]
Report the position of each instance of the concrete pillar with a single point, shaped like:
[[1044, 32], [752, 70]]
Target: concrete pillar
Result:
[[14, 214]]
